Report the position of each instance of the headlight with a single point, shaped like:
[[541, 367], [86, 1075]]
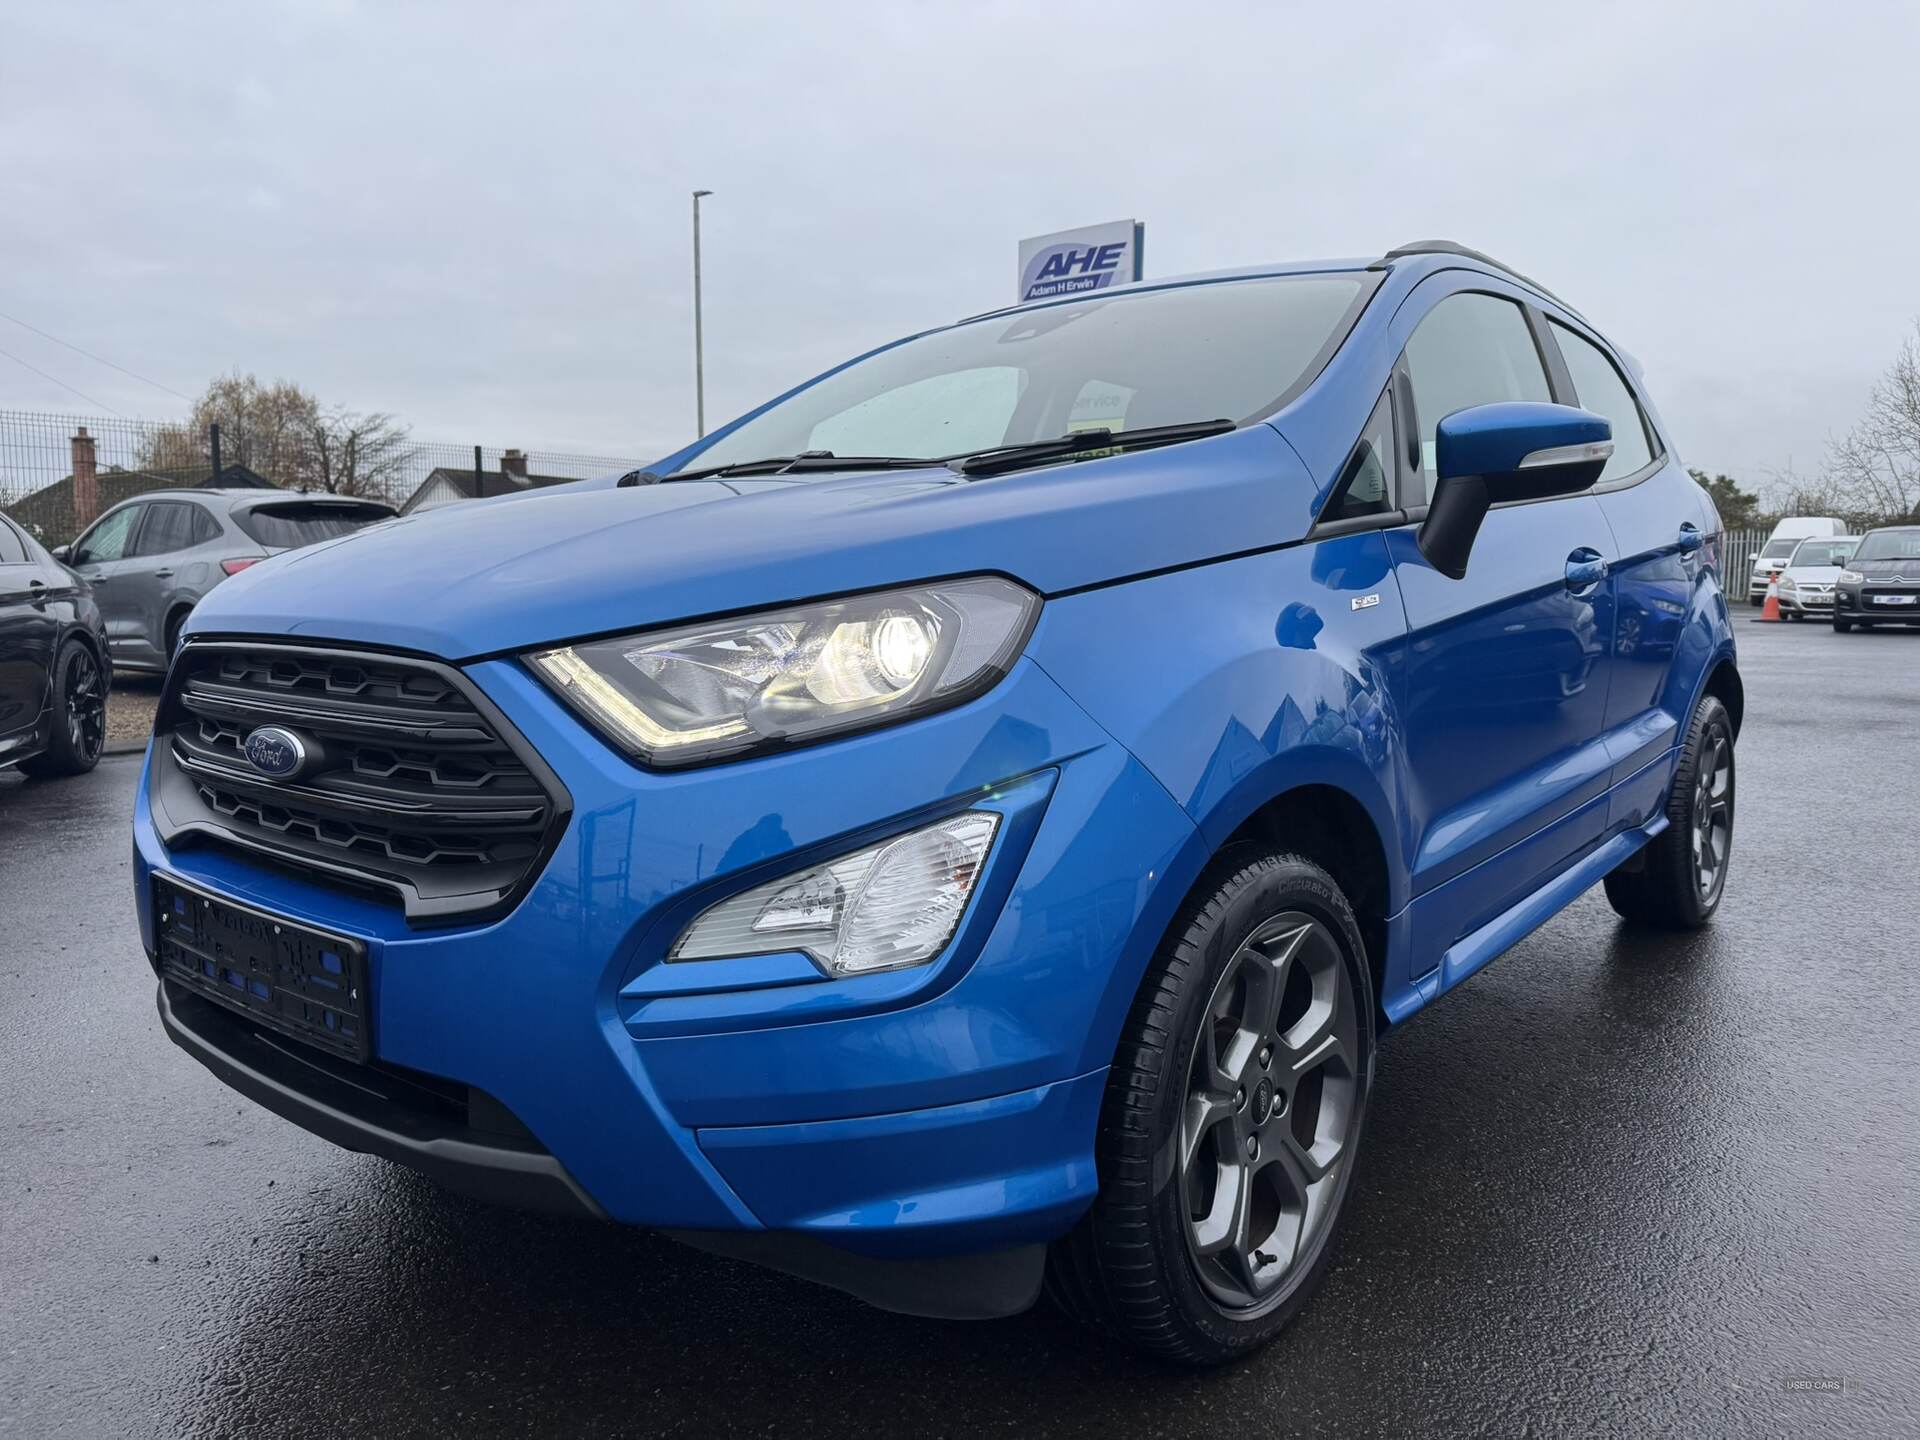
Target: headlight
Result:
[[1787, 585], [890, 905], [1852, 577], [725, 687]]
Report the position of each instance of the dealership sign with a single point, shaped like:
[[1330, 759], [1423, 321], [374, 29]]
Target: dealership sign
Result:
[[1073, 262]]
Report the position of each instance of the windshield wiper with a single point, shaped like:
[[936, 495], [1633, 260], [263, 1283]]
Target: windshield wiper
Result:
[[1099, 440], [807, 461]]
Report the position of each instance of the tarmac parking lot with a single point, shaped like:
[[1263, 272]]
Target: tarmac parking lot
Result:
[[1619, 1182]]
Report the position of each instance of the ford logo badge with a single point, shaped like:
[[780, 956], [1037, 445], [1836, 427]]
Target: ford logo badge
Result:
[[276, 753]]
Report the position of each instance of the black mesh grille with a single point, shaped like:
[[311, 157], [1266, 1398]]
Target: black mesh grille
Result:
[[413, 782]]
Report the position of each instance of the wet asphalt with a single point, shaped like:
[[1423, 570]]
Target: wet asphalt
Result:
[[1619, 1182]]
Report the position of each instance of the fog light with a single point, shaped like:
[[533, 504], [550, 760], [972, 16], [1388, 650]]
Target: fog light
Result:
[[882, 908]]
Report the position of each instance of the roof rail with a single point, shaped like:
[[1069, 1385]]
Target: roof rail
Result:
[[1454, 247]]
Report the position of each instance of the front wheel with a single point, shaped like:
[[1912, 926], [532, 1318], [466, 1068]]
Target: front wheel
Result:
[[1843, 627], [1679, 877], [1232, 1119]]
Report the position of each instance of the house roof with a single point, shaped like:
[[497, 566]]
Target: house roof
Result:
[[48, 512], [463, 481]]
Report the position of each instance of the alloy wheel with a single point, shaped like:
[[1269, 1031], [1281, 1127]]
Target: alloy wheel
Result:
[[86, 706], [1272, 1109], [1712, 813]]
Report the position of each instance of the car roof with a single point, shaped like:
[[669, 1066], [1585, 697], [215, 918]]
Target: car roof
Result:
[[249, 497], [1420, 256]]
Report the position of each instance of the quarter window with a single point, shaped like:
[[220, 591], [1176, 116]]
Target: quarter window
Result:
[[13, 550], [1600, 388], [1366, 484], [1471, 349]]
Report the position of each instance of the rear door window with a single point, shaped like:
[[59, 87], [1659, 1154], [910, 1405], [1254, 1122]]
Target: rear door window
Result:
[[13, 550], [173, 525], [286, 527], [1599, 386]]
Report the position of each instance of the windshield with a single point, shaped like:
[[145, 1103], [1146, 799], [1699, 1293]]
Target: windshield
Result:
[[1778, 549], [1890, 545], [1125, 362], [285, 527], [1823, 552]]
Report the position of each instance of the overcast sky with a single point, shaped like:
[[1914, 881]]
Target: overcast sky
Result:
[[476, 215]]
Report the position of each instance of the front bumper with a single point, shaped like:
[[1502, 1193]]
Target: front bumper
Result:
[[944, 1110], [1807, 603], [1858, 604]]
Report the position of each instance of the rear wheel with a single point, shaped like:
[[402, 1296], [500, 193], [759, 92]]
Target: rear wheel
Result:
[[79, 721], [1681, 875], [172, 637], [1232, 1120]]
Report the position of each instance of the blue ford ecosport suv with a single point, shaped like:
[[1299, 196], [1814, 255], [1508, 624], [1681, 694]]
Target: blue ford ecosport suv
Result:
[[966, 824]]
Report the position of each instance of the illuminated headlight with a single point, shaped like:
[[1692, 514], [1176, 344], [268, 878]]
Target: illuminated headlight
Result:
[[1852, 577], [726, 687], [882, 908]]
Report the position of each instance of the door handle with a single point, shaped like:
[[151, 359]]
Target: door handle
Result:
[[1586, 568], [163, 574], [1691, 539]]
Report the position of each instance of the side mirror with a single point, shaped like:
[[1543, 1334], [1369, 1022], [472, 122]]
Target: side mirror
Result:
[[1512, 450], [63, 553]]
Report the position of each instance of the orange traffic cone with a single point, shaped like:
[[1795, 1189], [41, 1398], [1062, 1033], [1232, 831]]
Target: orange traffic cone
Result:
[[1771, 610]]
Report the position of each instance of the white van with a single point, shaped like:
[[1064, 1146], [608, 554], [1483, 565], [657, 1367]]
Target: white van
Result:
[[1773, 555]]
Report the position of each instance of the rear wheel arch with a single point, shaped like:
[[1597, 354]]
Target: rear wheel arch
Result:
[[170, 627]]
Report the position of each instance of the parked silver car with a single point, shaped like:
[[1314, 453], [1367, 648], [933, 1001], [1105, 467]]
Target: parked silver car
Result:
[[152, 558]]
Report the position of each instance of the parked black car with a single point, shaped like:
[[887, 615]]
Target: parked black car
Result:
[[1881, 583], [152, 558], [54, 664]]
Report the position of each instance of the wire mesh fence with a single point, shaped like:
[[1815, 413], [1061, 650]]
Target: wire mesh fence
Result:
[[57, 472]]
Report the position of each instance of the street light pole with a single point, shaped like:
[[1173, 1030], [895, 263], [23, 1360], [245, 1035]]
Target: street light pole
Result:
[[699, 356]]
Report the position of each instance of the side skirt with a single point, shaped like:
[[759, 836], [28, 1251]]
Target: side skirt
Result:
[[1472, 951]]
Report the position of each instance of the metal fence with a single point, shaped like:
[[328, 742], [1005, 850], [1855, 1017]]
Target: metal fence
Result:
[[1737, 549], [57, 472]]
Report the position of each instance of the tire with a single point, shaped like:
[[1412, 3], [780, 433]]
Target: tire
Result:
[[1844, 627], [1670, 886], [79, 722], [1795, 616], [171, 638], [1268, 954]]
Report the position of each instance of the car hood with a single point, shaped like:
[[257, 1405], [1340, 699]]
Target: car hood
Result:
[[1906, 569], [545, 566]]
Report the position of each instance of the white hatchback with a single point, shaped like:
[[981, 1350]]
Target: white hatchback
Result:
[[1806, 585]]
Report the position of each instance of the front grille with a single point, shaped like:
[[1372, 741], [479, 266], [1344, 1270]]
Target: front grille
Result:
[[414, 784]]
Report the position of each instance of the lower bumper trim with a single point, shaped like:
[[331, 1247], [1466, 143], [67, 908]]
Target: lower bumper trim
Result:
[[317, 1095], [987, 1286]]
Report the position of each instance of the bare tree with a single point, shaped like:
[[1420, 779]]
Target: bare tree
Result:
[[1876, 465], [267, 428], [359, 452]]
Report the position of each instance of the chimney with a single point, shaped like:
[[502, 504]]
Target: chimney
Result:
[[513, 465], [86, 481]]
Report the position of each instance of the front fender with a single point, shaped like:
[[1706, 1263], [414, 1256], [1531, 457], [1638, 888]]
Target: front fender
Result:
[[1237, 681]]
